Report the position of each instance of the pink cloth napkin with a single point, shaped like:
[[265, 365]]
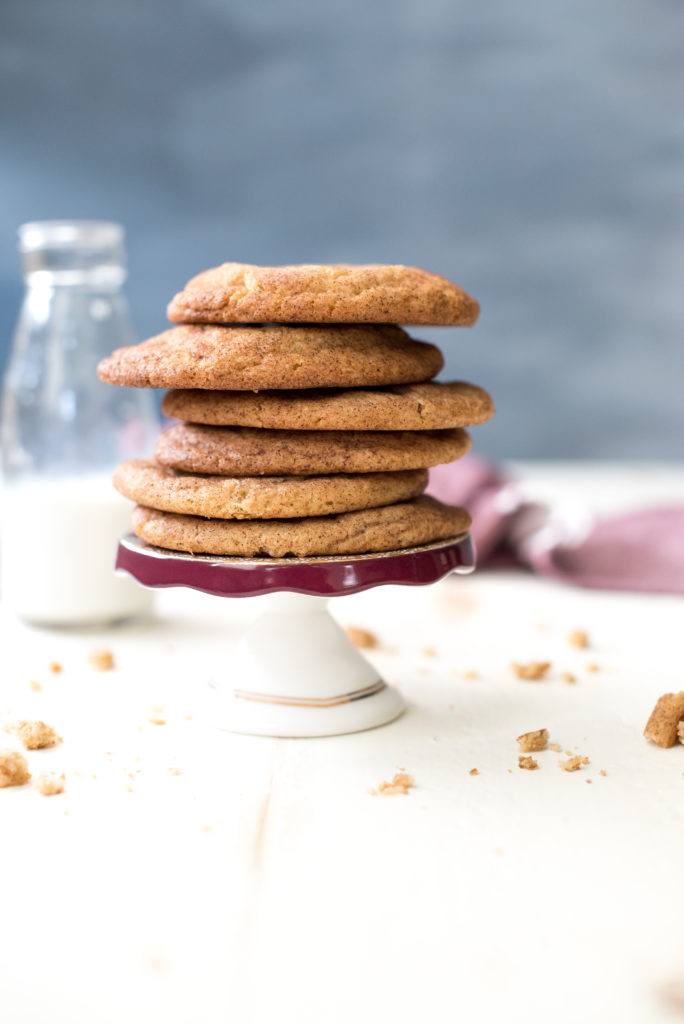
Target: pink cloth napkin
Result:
[[642, 550]]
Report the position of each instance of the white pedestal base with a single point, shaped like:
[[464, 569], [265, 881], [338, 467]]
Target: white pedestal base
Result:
[[296, 673]]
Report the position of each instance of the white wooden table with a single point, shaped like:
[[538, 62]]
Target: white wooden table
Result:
[[263, 883]]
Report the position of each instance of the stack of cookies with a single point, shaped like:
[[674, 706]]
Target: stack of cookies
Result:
[[309, 420]]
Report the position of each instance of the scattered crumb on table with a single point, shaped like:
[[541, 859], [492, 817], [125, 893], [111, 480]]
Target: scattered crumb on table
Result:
[[555, 747], [14, 769], [156, 720], [531, 669], [35, 685], [588, 781], [573, 764], [474, 771], [568, 677], [578, 638], [401, 783], [593, 667], [55, 666], [101, 659], [429, 652], [34, 735], [471, 673], [156, 962], [174, 771], [530, 742], [528, 763], [603, 772], [361, 637], [49, 784], [663, 723]]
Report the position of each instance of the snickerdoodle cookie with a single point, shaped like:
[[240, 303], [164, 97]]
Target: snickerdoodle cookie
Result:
[[428, 406], [264, 497], [275, 356], [389, 528], [318, 293], [247, 451]]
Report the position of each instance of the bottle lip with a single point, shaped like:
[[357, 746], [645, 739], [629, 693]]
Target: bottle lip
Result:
[[94, 234]]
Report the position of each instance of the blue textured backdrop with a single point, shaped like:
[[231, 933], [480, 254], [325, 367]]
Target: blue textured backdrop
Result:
[[532, 152]]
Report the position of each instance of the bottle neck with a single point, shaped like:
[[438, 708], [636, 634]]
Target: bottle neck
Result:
[[72, 254]]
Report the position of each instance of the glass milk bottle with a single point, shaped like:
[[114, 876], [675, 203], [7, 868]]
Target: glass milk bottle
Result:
[[63, 431]]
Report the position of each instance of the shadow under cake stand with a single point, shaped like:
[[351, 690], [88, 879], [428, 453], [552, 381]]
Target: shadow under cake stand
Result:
[[295, 672]]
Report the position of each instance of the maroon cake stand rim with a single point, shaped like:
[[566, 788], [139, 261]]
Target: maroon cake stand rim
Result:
[[331, 576]]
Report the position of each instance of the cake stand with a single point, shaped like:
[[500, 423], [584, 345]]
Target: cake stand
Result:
[[295, 672]]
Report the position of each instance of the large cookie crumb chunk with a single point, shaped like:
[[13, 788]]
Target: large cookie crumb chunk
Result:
[[661, 727], [14, 769], [34, 735]]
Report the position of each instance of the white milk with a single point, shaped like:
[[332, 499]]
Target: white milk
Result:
[[58, 542]]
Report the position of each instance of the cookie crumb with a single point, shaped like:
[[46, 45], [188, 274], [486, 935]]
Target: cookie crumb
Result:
[[156, 962], [156, 720], [568, 677], [49, 784], [573, 764], [531, 669], [593, 667], [35, 686], [34, 735], [429, 652], [474, 771], [14, 769], [588, 781], [556, 747], [55, 666], [578, 638], [101, 659], [530, 742], [528, 763], [662, 725], [471, 673], [174, 771], [362, 637], [401, 783], [603, 772]]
